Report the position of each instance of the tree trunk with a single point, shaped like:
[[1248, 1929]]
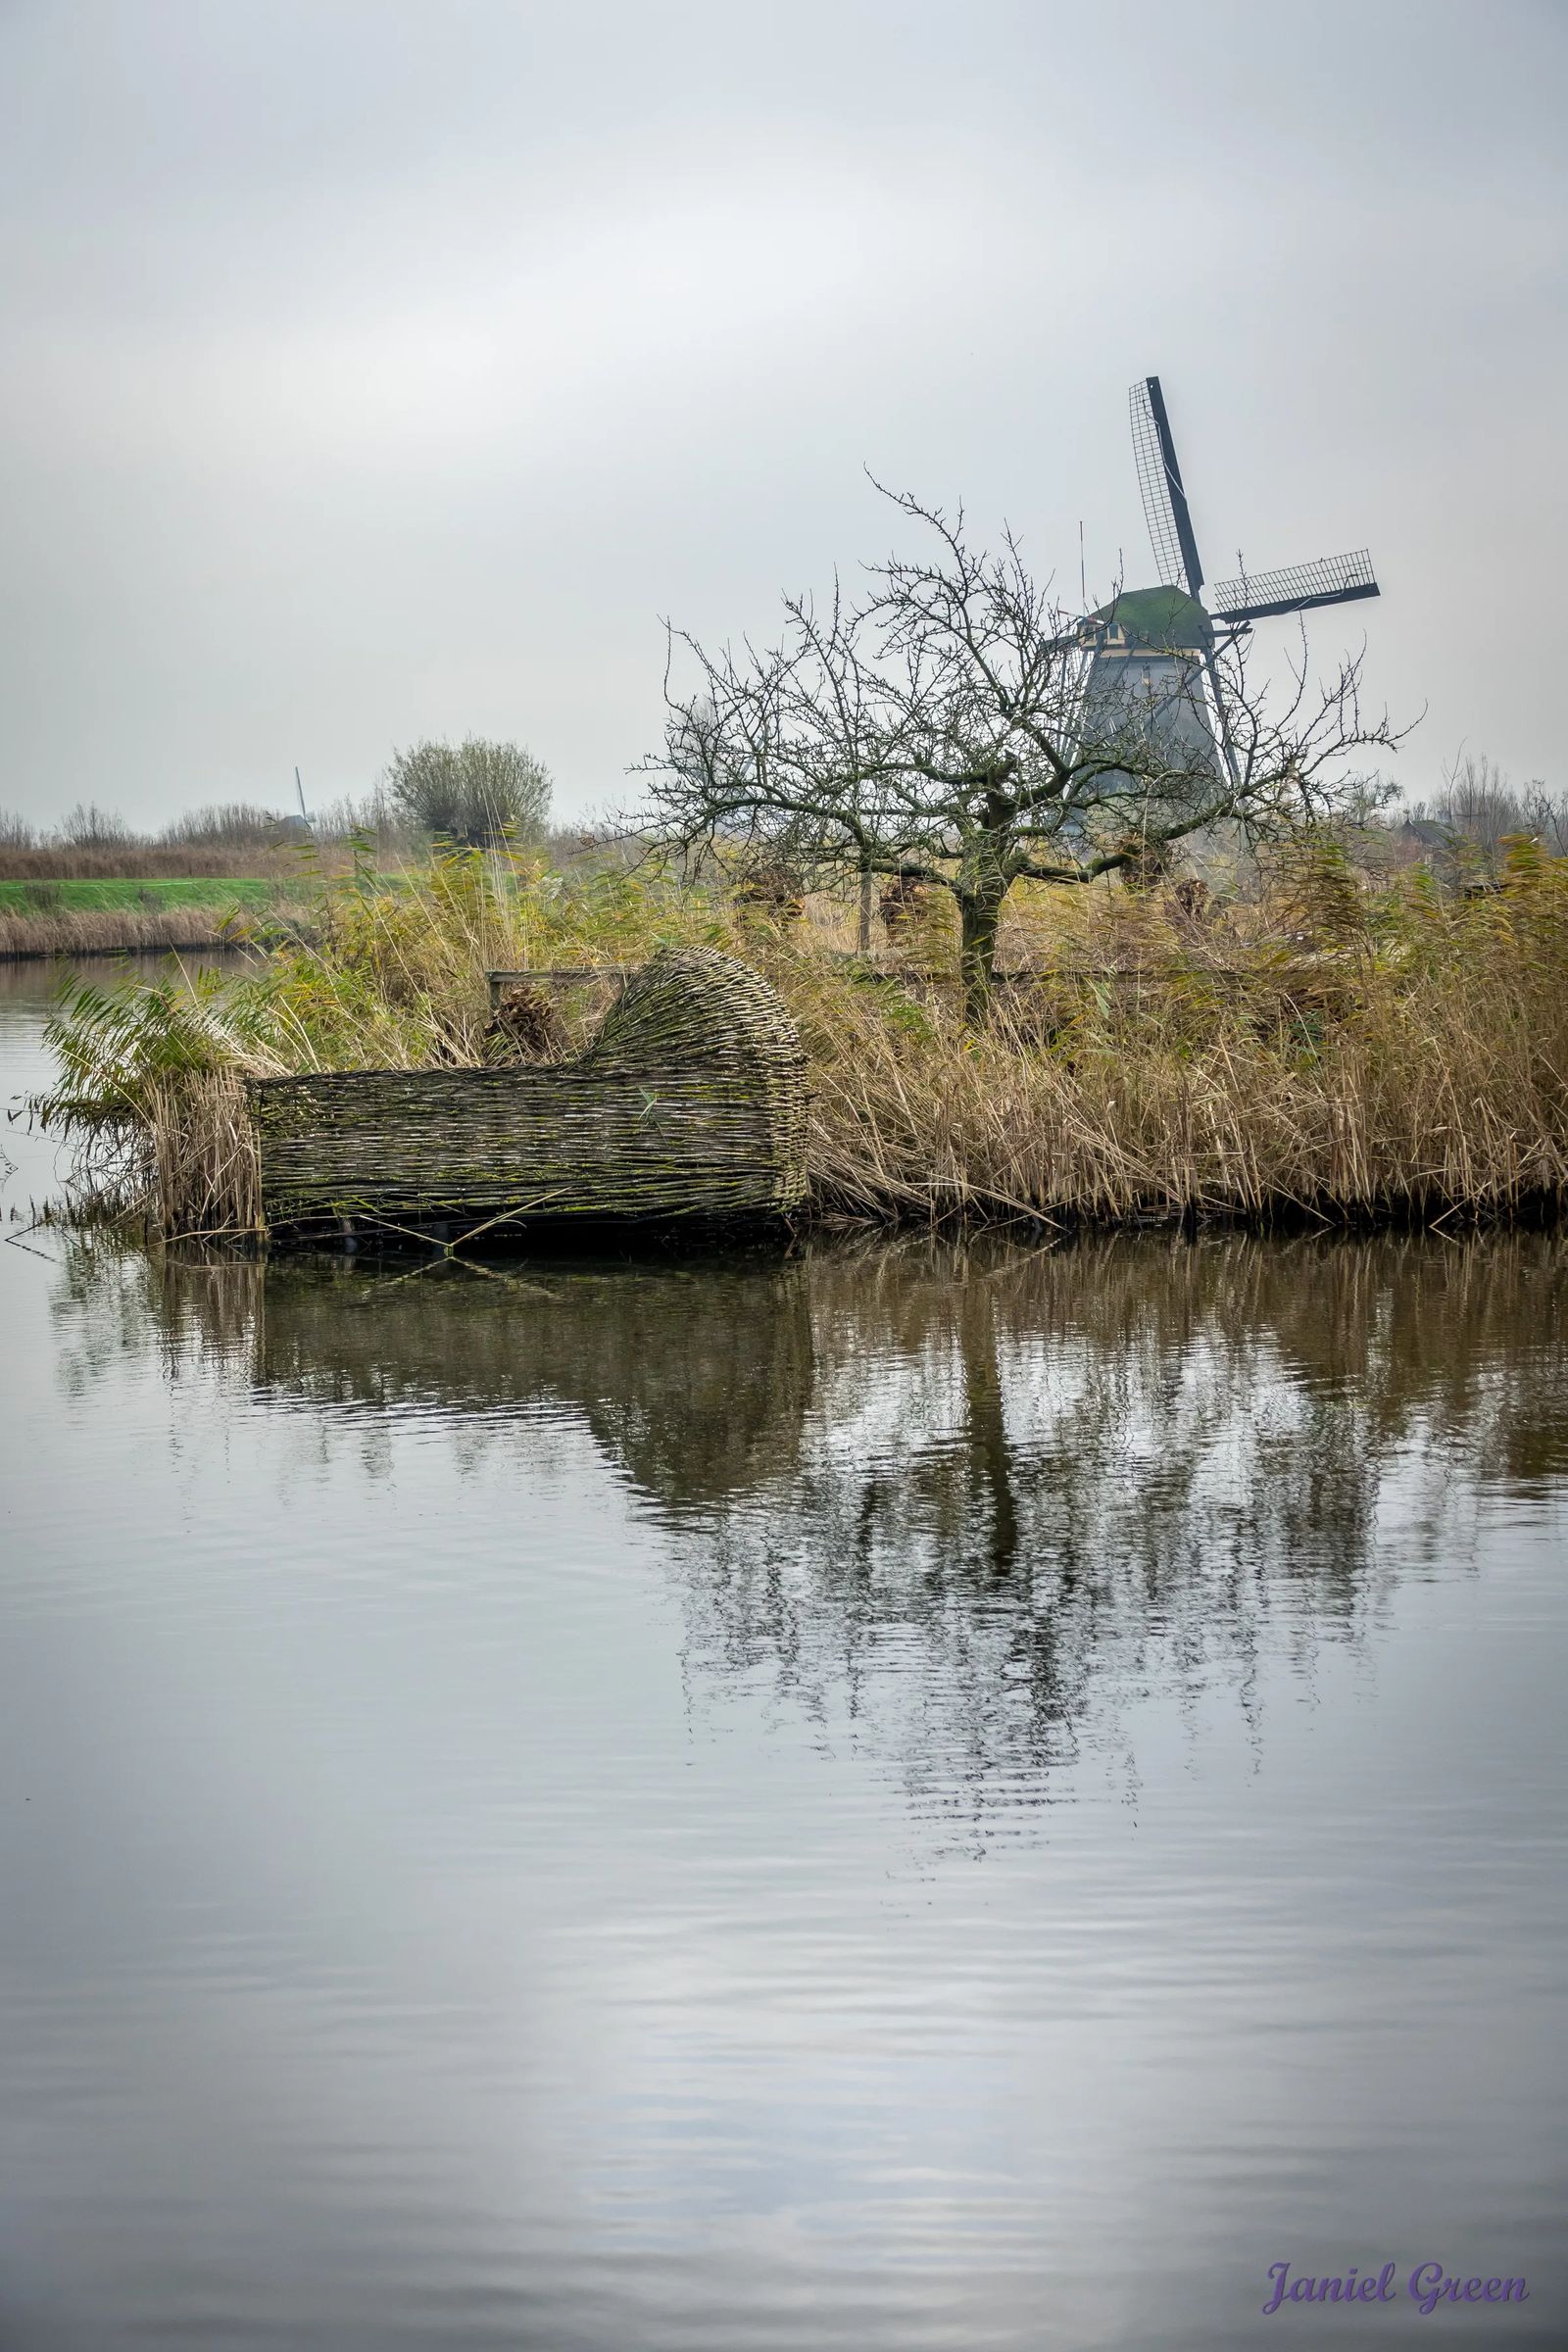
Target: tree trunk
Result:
[[865, 910], [978, 917], [986, 1422]]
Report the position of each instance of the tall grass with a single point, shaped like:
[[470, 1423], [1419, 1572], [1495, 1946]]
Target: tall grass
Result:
[[141, 862], [205, 926], [1336, 1051], [1332, 1053], [150, 1073]]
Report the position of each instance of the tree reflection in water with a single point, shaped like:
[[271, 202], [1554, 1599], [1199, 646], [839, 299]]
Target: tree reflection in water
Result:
[[944, 1493]]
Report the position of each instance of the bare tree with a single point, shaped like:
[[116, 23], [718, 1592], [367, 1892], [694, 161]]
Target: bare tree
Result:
[[1479, 805], [944, 728], [89, 827], [233, 824], [1545, 816], [1477, 812]]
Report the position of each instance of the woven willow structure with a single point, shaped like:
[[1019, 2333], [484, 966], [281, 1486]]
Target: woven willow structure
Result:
[[689, 1102]]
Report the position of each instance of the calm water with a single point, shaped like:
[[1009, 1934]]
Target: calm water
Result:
[[877, 1800]]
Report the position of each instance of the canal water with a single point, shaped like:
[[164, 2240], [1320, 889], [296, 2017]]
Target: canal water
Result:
[[886, 1798]]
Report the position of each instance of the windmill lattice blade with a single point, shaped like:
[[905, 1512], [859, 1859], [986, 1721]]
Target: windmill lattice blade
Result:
[[1297, 587], [1154, 482]]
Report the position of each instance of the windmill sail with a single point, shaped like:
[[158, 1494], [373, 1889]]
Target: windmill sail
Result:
[[1152, 693], [1159, 478], [1152, 668], [1297, 587]]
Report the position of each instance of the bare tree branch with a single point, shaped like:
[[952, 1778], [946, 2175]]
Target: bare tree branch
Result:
[[957, 725]]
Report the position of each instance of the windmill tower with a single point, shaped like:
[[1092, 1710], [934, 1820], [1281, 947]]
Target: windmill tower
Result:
[[1152, 650]]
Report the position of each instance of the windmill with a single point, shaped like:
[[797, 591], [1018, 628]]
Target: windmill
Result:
[[1152, 650]]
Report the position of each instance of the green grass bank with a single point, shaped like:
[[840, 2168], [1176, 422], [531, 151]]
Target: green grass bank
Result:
[[135, 915]]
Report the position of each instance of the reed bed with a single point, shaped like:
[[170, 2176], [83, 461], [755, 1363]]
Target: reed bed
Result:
[[1330, 1050], [150, 862], [195, 927], [1331, 1053], [1418, 1108]]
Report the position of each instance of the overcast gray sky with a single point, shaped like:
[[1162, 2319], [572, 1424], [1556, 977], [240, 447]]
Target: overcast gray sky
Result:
[[375, 368]]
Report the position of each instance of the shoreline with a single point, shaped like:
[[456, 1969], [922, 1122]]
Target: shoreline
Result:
[[1329, 1056], [44, 938]]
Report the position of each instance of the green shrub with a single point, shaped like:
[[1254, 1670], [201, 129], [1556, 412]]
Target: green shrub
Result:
[[476, 793]]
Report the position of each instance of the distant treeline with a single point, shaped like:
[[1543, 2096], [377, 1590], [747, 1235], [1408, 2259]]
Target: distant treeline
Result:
[[476, 793], [229, 839]]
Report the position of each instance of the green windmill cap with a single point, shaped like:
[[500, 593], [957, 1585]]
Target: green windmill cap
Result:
[[1167, 620]]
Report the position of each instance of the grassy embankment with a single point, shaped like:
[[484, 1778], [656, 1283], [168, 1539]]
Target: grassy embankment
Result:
[[1335, 1050], [75, 917], [135, 895]]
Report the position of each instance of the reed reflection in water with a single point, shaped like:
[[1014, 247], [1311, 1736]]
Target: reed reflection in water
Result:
[[990, 1476], [883, 1797]]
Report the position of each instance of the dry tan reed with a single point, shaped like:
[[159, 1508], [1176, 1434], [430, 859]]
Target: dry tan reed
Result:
[[151, 861], [1407, 1059], [1333, 1051], [113, 931]]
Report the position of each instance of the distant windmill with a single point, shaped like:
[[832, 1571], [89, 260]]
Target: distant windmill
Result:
[[1154, 646]]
